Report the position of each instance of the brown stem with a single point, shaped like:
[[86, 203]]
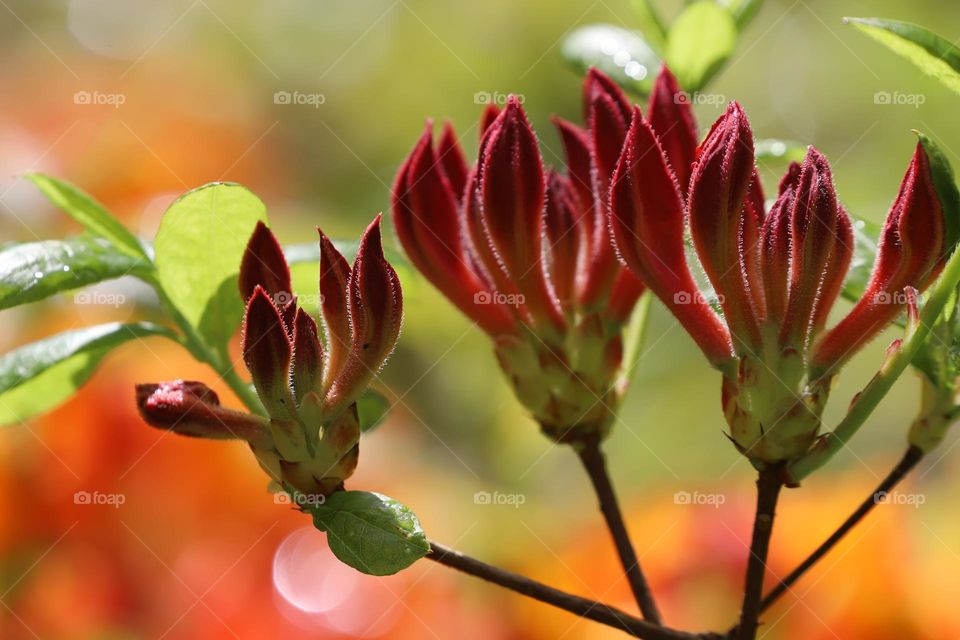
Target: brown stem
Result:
[[768, 490], [589, 609], [596, 467], [906, 464]]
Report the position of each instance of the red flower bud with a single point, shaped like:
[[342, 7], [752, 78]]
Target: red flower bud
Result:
[[911, 253], [775, 248], [334, 275], [564, 237], [376, 313], [428, 225], [511, 190], [451, 159], [671, 116], [490, 114], [267, 353], [647, 219], [721, 179], [263, 264], [193, 409]]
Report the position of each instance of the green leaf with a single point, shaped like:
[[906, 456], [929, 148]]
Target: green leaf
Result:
[[782, 150], [934, 55], [370, 532], [36, 270], [865, 235], [699, 43], [198, 251], [88, 212], [946, 186], [39, 376], [623, 55], [743, 11], [651, 24], [373, 408]]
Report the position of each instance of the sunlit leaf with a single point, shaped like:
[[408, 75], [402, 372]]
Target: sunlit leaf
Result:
[[699, 43], [88, 212], [198, 250], [623, 55], [370, 532], [39, 376], [36, 270], [373, 408], [934, 55], [651, 24], [743, 11]]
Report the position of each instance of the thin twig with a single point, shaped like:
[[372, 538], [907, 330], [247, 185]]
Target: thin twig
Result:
[[768, 490], [596, 467], [589, 609], [906, 464]]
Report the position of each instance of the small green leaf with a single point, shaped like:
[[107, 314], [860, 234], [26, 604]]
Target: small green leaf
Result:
[[651, 24], [42, 374], [782, 150], [370, 532], [935, 55], [623, 55], [198, 251], [742, 11], [699, 43], [946, 186], [88, 212], [36, 270], [373, 408]]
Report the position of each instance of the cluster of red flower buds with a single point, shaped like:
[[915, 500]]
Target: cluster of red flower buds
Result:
[[308, 442], [776, 274], [525, 251]]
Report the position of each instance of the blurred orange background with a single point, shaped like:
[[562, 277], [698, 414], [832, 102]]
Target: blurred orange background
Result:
[[199, 549]]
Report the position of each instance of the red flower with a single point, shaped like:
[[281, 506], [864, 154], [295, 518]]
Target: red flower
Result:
[[309, 442], [776, 275], [525, 252]]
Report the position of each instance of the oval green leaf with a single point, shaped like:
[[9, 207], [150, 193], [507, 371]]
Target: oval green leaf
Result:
[[88, 212], [933, 54], [651, 24], [36, 270], [39, 376], [623, 55], [198, 250], [699, 43], [370, 532]]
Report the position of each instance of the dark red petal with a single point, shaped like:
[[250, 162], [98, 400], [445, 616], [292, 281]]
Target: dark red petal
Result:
[[267, 352], [647, 219], [376, 312], [334, 276], [671, 116], [814, 233], [193, 409], [307, 356], [562, 235], [512, 191], [576, 146], [263, 264], [835, 273], [627, 288], [720, 180], [775, 249], [452, 161], [429, 226], [911, 253], [751, 242]]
